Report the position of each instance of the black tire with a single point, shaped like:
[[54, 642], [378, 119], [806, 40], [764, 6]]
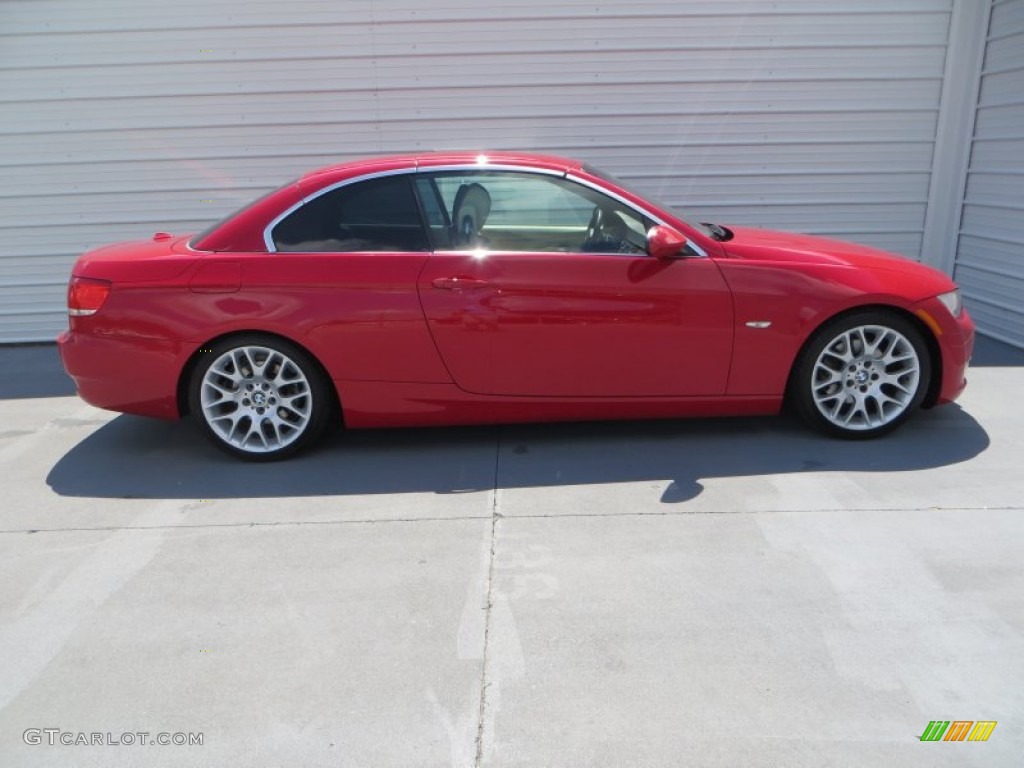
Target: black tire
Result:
[[259, 398], [861, 375]]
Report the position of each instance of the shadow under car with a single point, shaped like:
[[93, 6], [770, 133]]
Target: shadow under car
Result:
[[132, 457]]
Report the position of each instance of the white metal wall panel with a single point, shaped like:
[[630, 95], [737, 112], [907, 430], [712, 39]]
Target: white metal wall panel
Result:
[[990, 251], [122, 117]]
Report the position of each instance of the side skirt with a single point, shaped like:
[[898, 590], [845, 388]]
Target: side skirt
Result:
[[385, 404]]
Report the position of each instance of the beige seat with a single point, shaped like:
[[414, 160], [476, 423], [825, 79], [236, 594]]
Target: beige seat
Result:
[[472, 206]]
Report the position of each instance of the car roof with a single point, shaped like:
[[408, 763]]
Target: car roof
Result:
[[482, 158], [236, 232]]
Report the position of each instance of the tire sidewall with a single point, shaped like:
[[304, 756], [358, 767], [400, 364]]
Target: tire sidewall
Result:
[[320, 401], [800, 386]]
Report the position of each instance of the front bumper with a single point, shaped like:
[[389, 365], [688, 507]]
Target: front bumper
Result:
[[955, 338]]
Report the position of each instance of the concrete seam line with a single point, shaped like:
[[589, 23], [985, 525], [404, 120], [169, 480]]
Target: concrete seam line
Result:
[[488, 604], [275, 524], [695, 512], [497, 515]]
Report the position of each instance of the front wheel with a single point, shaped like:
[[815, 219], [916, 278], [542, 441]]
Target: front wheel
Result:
[[862, 375], [259, 398]]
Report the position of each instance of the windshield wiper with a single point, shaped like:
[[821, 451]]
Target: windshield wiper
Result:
[[718, 232]]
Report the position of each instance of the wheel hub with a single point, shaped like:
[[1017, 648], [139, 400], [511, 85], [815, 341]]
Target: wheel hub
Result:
[[259, 399]]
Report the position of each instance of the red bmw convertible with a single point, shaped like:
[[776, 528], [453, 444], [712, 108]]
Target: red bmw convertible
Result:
[[460, 288]]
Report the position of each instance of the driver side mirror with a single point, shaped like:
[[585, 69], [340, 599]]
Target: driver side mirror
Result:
[[664, 242]]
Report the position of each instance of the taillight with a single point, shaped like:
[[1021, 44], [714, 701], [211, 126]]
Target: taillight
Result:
[[86, 295]]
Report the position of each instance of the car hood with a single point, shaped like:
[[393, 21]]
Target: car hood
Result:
[[814, 253], [752, 243], [749, 243]]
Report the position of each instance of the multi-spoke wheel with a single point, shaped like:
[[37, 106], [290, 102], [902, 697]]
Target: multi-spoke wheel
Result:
[[258, 397], [862, 375]]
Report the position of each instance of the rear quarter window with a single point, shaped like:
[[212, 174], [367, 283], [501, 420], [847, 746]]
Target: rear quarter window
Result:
[[373, 215]]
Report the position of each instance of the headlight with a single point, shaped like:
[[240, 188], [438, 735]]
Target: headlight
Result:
[[952, 302]]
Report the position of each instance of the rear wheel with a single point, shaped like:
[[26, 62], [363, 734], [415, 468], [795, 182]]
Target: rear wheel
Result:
[[259, 398], [862, 375]]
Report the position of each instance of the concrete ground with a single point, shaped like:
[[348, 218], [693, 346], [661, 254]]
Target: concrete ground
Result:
[[708, 593]]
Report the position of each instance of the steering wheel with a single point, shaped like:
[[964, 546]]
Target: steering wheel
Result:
[[594, 234]]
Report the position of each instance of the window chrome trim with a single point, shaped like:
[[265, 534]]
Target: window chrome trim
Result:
[[470, 167], [636, 208], [268, 240], [488, 167], [479, 167], [696, 248]]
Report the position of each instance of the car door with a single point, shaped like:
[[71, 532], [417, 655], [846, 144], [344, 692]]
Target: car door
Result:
[[341, 272], [539, 299]]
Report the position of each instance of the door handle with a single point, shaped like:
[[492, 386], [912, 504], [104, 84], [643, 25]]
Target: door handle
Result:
[[457, 283]]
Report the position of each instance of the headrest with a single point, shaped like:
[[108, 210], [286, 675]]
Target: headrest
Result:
[[471, 200]]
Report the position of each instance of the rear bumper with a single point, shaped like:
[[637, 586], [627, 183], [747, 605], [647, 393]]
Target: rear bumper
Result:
[[127, 374]]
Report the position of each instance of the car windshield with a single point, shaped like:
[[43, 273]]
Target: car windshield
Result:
[[664, 206]]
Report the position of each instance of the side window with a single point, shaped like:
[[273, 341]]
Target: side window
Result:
[[519, 211], [375, 215]]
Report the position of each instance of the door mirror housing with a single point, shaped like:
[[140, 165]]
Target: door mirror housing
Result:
[[664, 242]]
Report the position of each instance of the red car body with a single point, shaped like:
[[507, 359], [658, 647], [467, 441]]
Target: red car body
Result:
[[465, 337]]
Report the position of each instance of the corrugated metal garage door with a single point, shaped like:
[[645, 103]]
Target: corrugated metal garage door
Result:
[[123, 117], [990, 254]]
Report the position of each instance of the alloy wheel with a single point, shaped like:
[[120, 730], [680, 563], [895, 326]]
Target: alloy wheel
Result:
[[256, 399], [866, 377]]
